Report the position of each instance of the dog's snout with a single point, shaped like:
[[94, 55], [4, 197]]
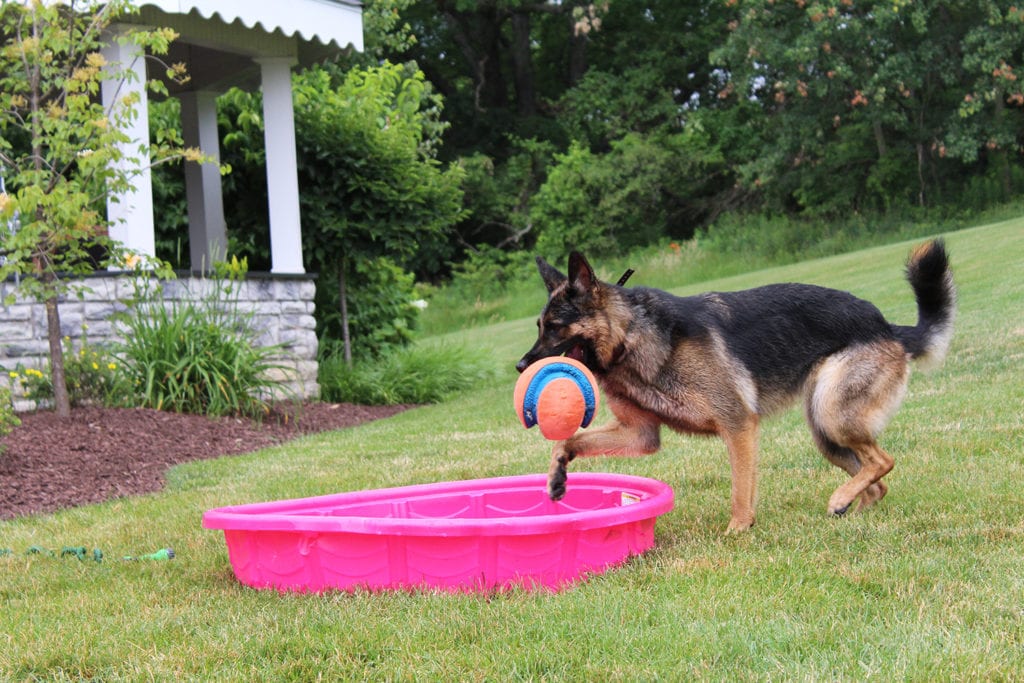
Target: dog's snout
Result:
[[522, 364]]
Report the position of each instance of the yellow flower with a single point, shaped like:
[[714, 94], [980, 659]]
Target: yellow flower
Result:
[[13, 374], [111, 366], [83, 75], [95, 365], [192, 154], [29, 45]]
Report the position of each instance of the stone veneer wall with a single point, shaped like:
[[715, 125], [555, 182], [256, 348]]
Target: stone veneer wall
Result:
[[282, 308]]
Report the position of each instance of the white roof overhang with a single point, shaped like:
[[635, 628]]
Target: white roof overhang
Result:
[[220, 39], [337, 22]]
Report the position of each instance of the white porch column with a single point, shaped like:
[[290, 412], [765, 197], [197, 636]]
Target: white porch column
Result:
[[131, 213], [207, 231], [282, 168]]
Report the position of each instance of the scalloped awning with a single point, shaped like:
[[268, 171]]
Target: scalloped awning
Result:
[[337, 22]]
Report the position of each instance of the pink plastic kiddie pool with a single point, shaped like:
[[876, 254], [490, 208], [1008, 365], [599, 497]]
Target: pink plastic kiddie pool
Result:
[[481, 534]]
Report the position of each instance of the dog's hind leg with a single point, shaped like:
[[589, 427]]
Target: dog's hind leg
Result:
[[851, 397], [866, 484], [846, 459]]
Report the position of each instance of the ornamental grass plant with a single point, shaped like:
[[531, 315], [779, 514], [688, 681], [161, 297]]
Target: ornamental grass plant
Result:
[[198, 353], [419, 374]]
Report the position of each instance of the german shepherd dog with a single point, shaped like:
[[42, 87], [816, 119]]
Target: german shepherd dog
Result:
[[718, 362]]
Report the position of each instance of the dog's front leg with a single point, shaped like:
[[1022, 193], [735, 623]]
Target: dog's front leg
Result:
[[613, 438], [558, 472]]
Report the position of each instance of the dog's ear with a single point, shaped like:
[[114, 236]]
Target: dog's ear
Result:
[[552, 278], [581, 275]]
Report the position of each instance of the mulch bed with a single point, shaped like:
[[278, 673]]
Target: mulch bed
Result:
[[97, 454]]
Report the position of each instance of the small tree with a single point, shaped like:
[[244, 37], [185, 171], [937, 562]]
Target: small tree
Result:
[[374, 190], [60, 148], [374, 196]]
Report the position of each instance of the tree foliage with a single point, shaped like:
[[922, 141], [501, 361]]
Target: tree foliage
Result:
[[628, 197], [376, 203], [894, 101], [604, 124], [61, 151], [816, 107]]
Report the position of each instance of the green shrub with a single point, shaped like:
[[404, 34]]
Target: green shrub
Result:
[[380, 309], [92, 373], [488, 272], [8, 420], [198, 356], [415, 374], [635, 195], [35, 384], [763, 239]]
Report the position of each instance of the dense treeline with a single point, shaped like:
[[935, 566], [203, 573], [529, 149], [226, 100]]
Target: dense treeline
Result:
[[471, 132], [627, 120]]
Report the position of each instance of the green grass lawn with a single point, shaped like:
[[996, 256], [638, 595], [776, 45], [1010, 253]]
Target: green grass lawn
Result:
[[928, 585]]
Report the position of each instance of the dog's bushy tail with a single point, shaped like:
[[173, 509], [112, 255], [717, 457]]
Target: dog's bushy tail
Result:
[[930, 276]]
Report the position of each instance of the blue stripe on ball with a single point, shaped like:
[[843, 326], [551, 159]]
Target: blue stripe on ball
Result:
[[545, 376]]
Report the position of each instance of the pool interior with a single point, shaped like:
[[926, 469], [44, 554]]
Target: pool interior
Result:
[[481, 504]]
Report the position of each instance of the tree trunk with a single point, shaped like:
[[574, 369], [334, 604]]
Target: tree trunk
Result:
[[1005, 176], [883, 149], [478, 36], [920, 176], [1000, 156], [61, 401], [343, 308], [577, 53], [522, 63]]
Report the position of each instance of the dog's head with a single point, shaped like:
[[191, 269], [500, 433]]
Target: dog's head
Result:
[[568, 325]]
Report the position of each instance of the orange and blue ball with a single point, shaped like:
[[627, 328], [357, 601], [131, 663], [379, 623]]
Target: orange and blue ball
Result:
[[558, 394]]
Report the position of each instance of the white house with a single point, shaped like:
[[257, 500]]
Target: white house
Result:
[[223, 43]]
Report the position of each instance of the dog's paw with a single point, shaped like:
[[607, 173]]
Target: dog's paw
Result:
[[558, 473], [872, 495], [839, 511], [738, 526], [556, 485], [556, 481], [840, 502]]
